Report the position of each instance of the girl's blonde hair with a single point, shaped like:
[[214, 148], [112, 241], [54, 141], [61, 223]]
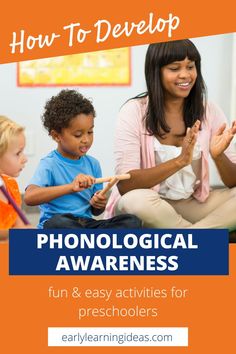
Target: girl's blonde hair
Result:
[[8, 130]]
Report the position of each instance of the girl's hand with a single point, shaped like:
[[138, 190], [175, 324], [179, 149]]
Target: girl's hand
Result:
[[82, 182], [98, 201], [221, 140], [29, 226], [189, 141]]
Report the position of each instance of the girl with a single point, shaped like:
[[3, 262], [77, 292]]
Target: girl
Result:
[[164, 138], [12, 161]]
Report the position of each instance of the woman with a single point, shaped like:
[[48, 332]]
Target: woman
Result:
[[164, 138]]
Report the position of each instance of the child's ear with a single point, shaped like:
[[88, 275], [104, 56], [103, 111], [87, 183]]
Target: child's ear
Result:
[[55, 135]]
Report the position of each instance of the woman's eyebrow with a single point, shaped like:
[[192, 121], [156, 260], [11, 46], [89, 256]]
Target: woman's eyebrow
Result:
[[179, 61]]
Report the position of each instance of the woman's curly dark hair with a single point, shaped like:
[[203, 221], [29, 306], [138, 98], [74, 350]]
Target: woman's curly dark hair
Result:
[[62, 108]]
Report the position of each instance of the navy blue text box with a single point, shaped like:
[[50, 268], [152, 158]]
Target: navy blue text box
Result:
[[118, 252]]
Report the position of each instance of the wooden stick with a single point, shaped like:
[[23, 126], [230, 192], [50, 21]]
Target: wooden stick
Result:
[[109, 185], [108, 179]]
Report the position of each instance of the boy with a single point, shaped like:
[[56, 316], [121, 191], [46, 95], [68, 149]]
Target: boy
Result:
[[63, 184]]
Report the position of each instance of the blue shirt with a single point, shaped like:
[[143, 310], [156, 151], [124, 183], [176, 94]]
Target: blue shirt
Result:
[[56, 170]]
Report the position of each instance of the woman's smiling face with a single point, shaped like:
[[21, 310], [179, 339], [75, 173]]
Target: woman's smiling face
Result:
[[178, 78]]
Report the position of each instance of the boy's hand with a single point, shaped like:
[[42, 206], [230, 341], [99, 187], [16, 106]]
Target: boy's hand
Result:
[[98, 201], [82, 182]]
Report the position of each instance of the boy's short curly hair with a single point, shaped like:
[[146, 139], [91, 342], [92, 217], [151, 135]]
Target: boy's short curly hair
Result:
[[62, 108]]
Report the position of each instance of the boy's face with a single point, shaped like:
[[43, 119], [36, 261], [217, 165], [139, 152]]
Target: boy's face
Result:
[[13, 160], [76, 140]]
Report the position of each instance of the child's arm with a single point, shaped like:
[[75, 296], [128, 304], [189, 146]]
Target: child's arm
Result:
[[98, 203], [20, 225], [4, 235], [36, 195]]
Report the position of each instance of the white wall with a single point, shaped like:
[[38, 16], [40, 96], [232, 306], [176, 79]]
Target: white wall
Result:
[[216, 53], [25, 105]]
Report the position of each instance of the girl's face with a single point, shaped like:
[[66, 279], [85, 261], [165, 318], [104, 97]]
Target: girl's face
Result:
[[13, 160], [178, 78], [76, 140]]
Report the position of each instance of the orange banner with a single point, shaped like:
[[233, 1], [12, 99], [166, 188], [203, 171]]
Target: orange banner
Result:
[[51, 28]]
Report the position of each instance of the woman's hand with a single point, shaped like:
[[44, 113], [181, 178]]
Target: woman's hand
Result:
[[189, 141], [221, 140], [82, 182], [98, 201]]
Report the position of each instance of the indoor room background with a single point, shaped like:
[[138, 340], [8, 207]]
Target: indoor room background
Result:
[[25, 105]]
